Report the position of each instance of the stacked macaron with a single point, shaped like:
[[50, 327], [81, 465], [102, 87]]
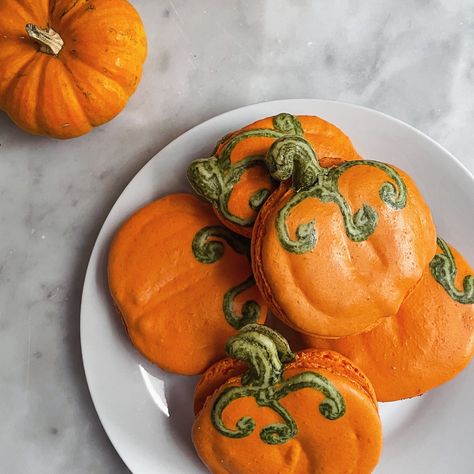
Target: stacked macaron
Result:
[[282, 412], [341, 249], [430, 339]]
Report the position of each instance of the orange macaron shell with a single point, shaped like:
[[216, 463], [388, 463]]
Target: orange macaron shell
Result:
[[170, 302], [215, 376], [330, 143], [342, 287], [427, 343], [351, 443]]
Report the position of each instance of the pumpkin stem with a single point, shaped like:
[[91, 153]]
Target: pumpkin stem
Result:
[[50, 42], [264, 350], [294, 157]]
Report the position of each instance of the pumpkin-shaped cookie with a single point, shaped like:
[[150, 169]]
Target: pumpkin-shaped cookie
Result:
[[428, 342], [338, 249], [305, 413], [182, 283], [234, 178], [68, 65]]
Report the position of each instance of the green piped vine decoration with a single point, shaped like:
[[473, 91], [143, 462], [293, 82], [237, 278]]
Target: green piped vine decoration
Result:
[[265, 351], [214, 177], [294, 157], [207, 249], [443, 268]]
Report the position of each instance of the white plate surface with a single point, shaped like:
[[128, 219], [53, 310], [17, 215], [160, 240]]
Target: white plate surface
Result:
[[147, 414]]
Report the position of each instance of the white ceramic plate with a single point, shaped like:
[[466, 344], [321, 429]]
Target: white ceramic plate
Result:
[[147, 414]]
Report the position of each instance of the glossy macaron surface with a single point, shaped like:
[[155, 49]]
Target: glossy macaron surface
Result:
[[182, 283], [428, 342], [342, 279]]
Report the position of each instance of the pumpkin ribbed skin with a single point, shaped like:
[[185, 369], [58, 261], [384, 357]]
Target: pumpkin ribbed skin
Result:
[[90, 80]]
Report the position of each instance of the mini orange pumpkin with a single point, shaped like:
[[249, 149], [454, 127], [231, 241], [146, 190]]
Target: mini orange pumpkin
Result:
[[182, 283], [428, 342], [312, 412], [68, 65], [340, 248], [234, 178]]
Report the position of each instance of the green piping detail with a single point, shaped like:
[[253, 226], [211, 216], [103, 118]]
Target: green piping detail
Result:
[[210, 251], [265, 351], [214, 177], [293, 157], [443, 268]]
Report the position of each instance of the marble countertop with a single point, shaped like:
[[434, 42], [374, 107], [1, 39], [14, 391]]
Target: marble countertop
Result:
[[412, 59]]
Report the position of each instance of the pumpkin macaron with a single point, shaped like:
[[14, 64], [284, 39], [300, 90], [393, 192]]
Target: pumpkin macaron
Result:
[[279, 412], [182, 283], [234, 178], [67, 66], [428, 342], [336, 250]]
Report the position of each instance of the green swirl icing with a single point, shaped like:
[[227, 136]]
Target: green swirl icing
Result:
[[294, 157], [265, 351], [258, 198], [209, 251], [214, 177], [443, 268], [250, 309], [287, 124]]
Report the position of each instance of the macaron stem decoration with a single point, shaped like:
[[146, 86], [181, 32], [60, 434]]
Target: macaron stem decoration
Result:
[[266, 352], [214, 177], [210, 251], [234, 178], [294, 157], [265, 409], [358, 228]]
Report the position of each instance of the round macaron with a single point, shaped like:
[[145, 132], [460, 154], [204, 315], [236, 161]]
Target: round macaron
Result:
[[336, 250], [234, 178], [308, 413], [182, 283], [428, 342]]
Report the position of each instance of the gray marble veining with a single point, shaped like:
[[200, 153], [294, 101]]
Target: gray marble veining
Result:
[[412, 59]]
